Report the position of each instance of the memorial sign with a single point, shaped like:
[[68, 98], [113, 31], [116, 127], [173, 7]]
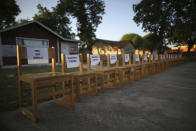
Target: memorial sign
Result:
[[72, 61], [126, 57], [113, 59], [95, 59], [37, 55]]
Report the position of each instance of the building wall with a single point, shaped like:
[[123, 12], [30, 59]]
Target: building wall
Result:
[[69, 47], [29, 31], [100, 48]]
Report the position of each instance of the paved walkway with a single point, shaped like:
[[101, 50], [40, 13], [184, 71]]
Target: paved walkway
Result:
[[162, 102]]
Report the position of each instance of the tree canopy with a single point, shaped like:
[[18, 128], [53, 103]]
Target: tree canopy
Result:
[[88, 14], [135, 38], [8, 11], [150, 42], [55, 20], [167, 19], [147, 42]]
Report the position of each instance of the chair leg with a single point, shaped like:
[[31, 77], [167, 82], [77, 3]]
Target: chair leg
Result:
[[34, 102], [20, 94]]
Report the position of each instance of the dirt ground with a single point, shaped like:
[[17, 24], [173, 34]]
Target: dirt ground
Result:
[[162, 102]]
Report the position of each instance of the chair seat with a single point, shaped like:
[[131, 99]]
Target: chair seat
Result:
[[104, 70], [38, 77], [79, 74]]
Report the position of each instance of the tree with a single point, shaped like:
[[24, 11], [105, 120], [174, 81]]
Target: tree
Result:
[[185, 23], [154, 16], [150, 42], [135, 38], [166, 19], [128, 36], [20, 21], [8, 11], [88, 14], [55, 20]]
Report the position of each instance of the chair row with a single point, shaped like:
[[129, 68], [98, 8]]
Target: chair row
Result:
[[101, 72]]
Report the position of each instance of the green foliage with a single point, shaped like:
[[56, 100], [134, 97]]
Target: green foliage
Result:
[[185, 23], [8, 10], [128, 36], [167, 19], [88, 14], [154, 17], [135, 38], [150, 42], [55, 20], [20, 21]]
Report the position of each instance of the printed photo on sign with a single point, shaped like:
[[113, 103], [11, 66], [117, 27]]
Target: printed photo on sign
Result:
[[137, 58], [145, 57], [72, 61], [113, 59], [157, 57], [37, 55], [126, 57], [95, 59], [151, 57]]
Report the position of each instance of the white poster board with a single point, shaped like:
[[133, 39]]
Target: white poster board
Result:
[[72, 61], [37, 55], [126, 57], [157, 57], [145, 57], [137, 58], [151, 57], [113, 59], [95, 59]]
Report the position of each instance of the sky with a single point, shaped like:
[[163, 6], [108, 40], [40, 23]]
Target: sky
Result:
[[117, 20]]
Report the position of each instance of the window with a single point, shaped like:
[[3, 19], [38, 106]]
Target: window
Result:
[[73, 49], [28, 42]]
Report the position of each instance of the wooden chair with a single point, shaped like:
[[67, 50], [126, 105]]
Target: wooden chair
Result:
[[137, 67], [114, 66], [161, 63], [156, 63], [164, 62], [126, 69], [170, 61], [85, 82], [151, 65], [145, 65], [39, 81], [106, 75]]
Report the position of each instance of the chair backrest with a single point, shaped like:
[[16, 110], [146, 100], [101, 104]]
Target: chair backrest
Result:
[[35, 56], [112, 59], [151, 58], [136, 59], [156, 57], [126, 59], [71, 61], [161, 57], [144, 58], [94, 60]]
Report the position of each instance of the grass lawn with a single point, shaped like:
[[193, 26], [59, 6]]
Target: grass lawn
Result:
[[9, 85]]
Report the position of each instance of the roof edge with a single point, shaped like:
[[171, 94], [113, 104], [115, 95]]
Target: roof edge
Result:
[[42, 25]]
